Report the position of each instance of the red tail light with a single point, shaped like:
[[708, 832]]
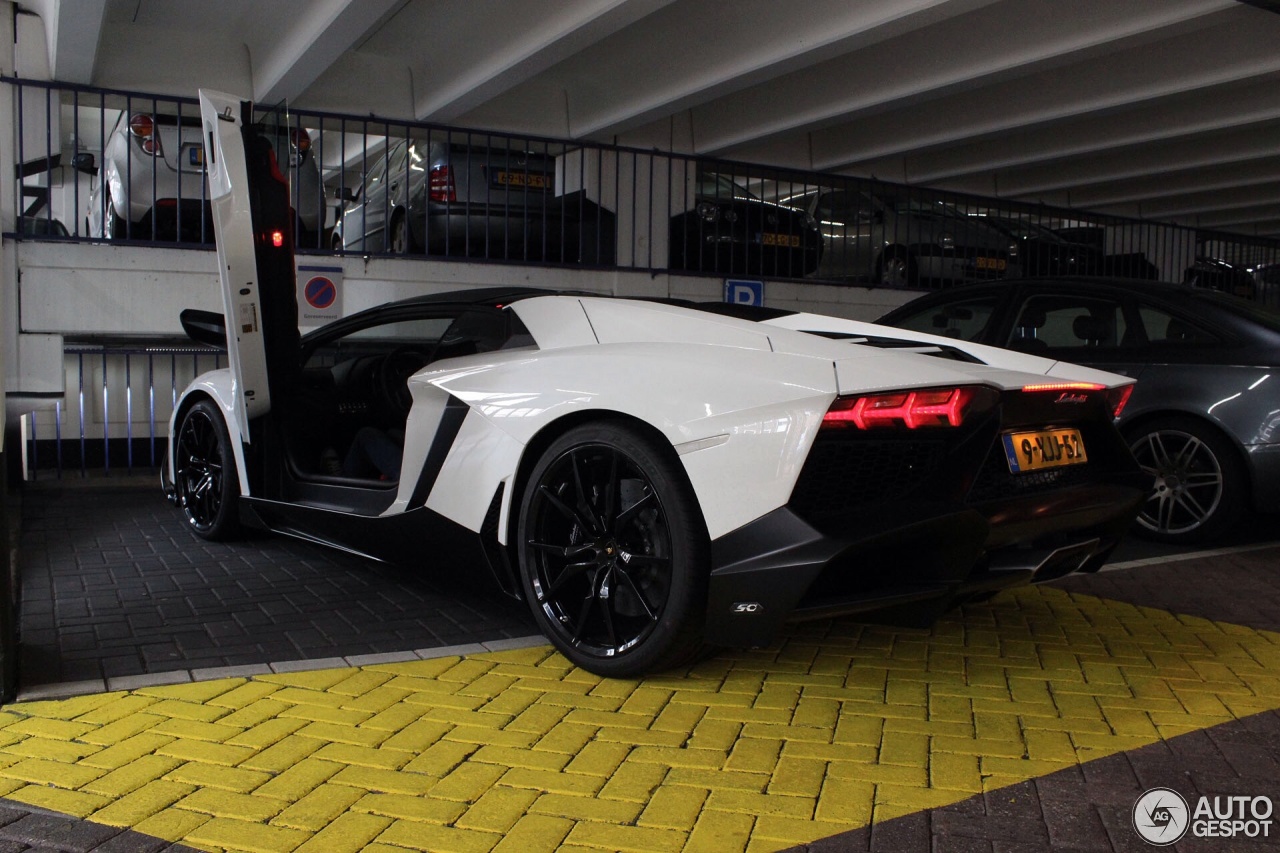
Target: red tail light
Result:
[[440, 184], [920, 409], [1118, 398], [143, 128], [301, 140], [1063, 386]]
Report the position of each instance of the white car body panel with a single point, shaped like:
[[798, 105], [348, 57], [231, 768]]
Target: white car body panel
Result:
[[992, 356], [745, 417], [237, 264], [218, 386]]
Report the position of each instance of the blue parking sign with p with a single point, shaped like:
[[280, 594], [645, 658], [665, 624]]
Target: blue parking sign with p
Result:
[[744, 292]]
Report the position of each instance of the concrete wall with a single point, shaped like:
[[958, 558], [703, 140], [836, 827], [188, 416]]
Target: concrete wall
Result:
[[82, 290], [71, 292]]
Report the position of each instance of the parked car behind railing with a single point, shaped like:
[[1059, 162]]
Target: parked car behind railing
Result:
[[152, 180], [1217, 274], [899, 239], [731, 232], [1038, 250], [449, 198]]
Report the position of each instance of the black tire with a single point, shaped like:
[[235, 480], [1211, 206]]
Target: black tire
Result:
[[613, 552], [896, 268], [402, 242], [205, 482], [114, 228], [1200, 483]]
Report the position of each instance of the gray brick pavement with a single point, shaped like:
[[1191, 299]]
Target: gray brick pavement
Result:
[[25, 829], [114, 586]]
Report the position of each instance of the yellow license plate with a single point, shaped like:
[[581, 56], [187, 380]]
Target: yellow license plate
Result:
[[1051, 448], [991, 263], [526, 180], [789, 240]]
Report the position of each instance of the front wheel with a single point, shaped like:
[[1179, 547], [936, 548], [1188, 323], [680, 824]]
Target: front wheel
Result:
[[205, 482], [114, 227], [1200, 486], [613, 552]]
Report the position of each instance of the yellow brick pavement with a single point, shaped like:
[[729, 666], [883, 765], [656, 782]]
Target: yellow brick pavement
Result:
[[835, 726]]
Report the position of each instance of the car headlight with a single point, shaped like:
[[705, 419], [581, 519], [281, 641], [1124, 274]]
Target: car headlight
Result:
[[1013, 250], [708, 211], [946, 240]]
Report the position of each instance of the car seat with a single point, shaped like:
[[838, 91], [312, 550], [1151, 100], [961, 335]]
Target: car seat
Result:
[[1026, 335], [1094, 331]]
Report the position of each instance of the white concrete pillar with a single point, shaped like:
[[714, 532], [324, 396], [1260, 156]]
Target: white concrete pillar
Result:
[[643, 190], [8, 264]]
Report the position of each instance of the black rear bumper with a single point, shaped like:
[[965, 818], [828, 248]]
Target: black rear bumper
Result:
[[780, 568], [905, 524]]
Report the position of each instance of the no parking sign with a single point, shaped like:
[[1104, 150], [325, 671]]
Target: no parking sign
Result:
[[319, 295]]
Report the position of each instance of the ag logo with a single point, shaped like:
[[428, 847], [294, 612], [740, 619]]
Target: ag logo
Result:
[[1161, 817]]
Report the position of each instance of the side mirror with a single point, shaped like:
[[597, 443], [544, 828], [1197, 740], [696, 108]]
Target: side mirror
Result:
[[85, 162], [204, 327], [345, 194]]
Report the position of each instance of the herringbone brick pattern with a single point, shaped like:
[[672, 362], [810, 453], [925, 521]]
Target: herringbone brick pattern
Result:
[[837, 725]]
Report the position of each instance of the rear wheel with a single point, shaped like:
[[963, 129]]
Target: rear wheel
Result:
[[613, 552], [897, 269], [401, 237], [1199, 481], [206, 485]]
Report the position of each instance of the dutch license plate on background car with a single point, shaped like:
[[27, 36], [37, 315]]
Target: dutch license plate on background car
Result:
[[991, 263], [195, 156], [524, 180], [1051, 448], [790, 240]]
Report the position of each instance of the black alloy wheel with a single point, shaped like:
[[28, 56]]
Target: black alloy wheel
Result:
[[613, 551], [1199, 482], [205, 481]]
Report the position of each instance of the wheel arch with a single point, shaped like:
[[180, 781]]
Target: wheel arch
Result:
[[188, 400], [546, 436]]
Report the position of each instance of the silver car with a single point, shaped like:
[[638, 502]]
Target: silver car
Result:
[[1204, 418], [444, 197], [152, 187], [898, 239]]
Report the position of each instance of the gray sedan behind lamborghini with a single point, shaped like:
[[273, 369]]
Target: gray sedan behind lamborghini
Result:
[[1204, 418]]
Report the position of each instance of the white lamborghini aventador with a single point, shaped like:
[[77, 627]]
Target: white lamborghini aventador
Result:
[[651, 477]]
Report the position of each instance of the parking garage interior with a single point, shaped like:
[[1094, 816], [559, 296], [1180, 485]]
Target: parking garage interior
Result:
[[164, 692]]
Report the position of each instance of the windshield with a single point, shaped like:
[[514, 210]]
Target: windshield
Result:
[[1024, 230], [721, 186]]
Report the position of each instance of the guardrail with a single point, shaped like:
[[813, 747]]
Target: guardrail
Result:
[[133, 171], [115, 422]]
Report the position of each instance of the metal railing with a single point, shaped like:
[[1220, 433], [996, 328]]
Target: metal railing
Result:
[[118, 402], [375, 186]]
